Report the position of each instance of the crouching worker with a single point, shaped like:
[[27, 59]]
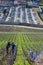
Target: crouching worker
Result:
[[33, 55], [7, 47], [13, 47]]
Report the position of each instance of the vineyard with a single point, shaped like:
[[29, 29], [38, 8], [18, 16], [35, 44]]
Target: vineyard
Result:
[[24, 42]]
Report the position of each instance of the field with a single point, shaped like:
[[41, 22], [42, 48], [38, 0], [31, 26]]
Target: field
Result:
[[41, 16], [26, 39], [34, 41]]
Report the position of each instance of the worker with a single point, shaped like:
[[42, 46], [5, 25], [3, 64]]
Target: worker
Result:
[[7, 47]]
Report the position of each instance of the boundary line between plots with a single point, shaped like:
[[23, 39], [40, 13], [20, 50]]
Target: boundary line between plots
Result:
[[24, 26], [21, 33]]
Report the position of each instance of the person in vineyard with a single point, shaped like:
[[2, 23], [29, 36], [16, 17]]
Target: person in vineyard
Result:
[[7, 47], [13, 47], [33, 55]]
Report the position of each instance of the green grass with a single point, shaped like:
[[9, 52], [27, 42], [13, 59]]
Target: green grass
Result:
[[34, 41], [41, 15], [40, 3]]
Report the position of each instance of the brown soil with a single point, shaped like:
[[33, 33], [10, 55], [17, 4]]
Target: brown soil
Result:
[[40, 60]]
